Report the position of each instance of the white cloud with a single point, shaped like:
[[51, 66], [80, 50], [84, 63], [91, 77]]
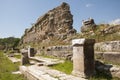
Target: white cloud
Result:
[[88, 5], [115, 22]]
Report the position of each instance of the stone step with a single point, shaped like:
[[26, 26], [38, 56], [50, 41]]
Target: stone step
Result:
[[46, 61]]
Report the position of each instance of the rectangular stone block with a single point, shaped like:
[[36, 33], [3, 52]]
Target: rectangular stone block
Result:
[[31, 52], [83, 57], [112, 57], [24, 57]]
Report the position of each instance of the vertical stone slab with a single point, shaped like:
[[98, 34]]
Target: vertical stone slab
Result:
[[31, 52], [83, 57], [24, 58]]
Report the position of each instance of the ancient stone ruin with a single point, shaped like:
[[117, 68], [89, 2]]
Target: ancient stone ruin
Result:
[[83, 57], [31, 52], [24, 57], [87, 25], [110, 29], [64, 52], [55, 24], [108, 46]]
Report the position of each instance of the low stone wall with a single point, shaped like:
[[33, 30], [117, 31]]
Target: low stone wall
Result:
[[64, 52], [108, 46], [111, 57]]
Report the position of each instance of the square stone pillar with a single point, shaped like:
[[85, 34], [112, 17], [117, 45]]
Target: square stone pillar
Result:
[[24, 57], [31, 52], [83, 57]]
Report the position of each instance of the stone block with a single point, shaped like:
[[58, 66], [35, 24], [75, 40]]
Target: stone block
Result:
[[83, 57], [108, 46], [31, 52], [113, 57], [24, 58]]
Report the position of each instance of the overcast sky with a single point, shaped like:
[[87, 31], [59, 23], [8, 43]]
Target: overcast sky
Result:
[[17, 15]]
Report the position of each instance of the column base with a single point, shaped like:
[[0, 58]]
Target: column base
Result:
[[79, 74]]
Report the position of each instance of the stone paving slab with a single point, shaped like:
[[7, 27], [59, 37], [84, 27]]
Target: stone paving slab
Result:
[[14, 60], [47, 61], [46, 73]]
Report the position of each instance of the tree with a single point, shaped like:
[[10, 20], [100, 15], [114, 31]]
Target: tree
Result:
[[10, 42]]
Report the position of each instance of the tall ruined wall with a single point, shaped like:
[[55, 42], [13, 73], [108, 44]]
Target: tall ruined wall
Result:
[[57, 23]]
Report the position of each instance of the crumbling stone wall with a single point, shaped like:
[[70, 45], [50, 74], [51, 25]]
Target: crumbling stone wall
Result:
[[111, 29], [56, 23], [64, 52], [87, 25], [108, 46]]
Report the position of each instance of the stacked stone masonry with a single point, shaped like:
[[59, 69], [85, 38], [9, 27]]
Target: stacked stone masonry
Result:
[[108, 46], [57, 23]]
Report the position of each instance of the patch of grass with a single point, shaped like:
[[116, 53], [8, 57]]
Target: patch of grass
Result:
[[45, 56], [7, 67], [17, 56], [65, 67]]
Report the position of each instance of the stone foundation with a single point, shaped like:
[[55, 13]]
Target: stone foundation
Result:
[[110, 57], [64, 52]]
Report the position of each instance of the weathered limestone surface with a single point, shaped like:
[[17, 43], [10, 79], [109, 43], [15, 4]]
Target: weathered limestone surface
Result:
[[83, 57], [14, 60], [24, 57], [112, 57], [57, 23], [31, 52], [44, 73], [87, 25], [64, 52], [108, 46], [46, 61]]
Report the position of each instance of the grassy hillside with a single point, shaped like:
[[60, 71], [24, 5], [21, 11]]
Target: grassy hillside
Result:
[[102, 32]]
